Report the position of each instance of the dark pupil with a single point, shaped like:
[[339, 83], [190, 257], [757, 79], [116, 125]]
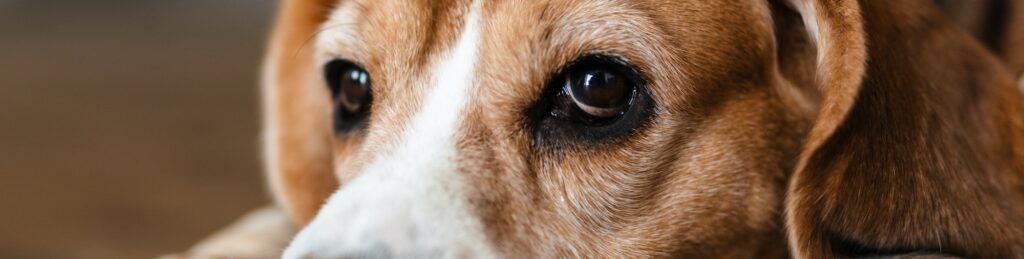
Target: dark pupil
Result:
[[600, 88], [354, 89]]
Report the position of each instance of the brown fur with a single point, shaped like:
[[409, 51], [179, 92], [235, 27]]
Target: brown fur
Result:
[[928, 158], [999, 24], [912, 142], [298, 144]]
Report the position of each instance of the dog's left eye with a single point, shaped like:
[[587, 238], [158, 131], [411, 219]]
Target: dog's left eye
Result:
[[595, 99], [598, 92]]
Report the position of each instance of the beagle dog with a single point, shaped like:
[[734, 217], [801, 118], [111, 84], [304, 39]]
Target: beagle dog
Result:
[[640, 128]]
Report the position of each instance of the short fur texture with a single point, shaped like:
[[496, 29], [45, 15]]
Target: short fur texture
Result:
[[925, 159], [803, 128]]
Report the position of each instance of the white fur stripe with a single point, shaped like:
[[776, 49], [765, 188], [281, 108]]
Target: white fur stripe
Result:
[[410, 201]]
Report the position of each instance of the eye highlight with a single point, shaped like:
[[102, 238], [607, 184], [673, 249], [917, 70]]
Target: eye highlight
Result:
[[598, 91], [595, 99], [351, 92]]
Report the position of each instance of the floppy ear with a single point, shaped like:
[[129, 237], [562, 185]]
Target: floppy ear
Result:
[[917, 148], [296, 124]]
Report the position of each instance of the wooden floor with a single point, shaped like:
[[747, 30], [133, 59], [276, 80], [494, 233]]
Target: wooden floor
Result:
[[128, 128]]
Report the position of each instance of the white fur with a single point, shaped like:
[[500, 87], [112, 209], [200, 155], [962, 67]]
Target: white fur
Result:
[[410, 201], [809, 13], [339, 33]]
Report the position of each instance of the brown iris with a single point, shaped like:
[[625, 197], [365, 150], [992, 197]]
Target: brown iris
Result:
[[594, 91], [598, 92], [592, 100], [351, 91], [354, 89]]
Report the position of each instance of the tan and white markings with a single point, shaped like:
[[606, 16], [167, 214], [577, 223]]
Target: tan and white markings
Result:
[[409, 202]]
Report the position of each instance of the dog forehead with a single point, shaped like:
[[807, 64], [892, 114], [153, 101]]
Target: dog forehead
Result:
[[387, 32], [521, 43]]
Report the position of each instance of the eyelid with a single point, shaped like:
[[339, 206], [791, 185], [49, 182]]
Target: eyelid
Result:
[[619, 62], [338, 36]]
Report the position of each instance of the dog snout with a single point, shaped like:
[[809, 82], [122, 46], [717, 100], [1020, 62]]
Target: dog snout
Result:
[[390, 214], [348, 228]]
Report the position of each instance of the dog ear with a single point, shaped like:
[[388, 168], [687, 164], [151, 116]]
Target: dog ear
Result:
[[296, 111], [917, 148]]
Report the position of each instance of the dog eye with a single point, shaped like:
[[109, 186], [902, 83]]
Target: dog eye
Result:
[[595, 99], [350, 89], [594, 91], [598, 92]]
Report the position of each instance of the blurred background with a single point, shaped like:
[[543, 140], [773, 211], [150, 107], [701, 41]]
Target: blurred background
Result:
[[128, 128]]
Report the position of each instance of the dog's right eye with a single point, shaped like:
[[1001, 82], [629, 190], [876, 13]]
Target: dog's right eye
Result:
[[350, 89]]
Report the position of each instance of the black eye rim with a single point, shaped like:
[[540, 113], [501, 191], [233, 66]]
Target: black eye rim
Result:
[[345, 121], [553, 132]]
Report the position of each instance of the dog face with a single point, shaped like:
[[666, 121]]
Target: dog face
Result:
[[561, 128], [565, 128]]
